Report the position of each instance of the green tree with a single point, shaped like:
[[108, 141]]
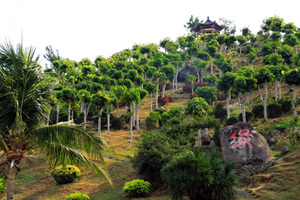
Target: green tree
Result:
[[143, 93], [225, 85], [85, 98], [208, 93], [100, 100], [242, 40], [292, 78], [70, 96], [151, 88], [169, 70], [291, 40], [191, 24], [118, 91], [243, 86], [264, 77], [22, 117], [278, 71]]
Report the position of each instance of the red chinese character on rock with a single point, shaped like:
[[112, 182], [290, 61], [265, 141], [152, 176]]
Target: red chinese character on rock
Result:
[[243, 138]]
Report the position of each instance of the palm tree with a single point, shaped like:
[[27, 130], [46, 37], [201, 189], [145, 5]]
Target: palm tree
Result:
[[23, 115]]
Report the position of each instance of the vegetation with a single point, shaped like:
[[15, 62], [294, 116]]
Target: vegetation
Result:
[[137, 188], [65, 174], [77, 196]]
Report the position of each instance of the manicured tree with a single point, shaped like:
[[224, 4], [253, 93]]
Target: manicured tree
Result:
[[143, 93], [160, 77], [212, 50], [176, 61], [200, 66], [292, 78], [69, 96], [111, 103], [286, 53], [197, 107], [251, 57], [246, 32], [266, 49], [151, 88], [276, 37], [253, 39], [100, 100], [169, 70], [149, 73], [85, 98], [107, 82], [58, 95], [291, 40], [225, 85], [130, 97], [191, 79], [242, 86], [288, 28], [221, 41], [208, 93], [264, 77], [278, 71], [134, 76], [242, 40], [230, 41], [118, 91], [22, 121]]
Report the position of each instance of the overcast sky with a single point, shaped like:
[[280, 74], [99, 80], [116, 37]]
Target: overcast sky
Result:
[[86, 29]]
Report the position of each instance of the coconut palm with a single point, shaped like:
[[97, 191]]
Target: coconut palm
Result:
[[23, 115]]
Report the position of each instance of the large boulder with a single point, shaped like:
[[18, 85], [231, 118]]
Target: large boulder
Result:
[[183, 74], [244, 145]]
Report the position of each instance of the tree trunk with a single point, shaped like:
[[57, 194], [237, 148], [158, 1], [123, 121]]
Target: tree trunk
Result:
[[227, 106], [48, 118], [84, 118], [108, 120], [211, 66], [276, 90], [294, 100], [202, 75], [131, 119], [11, 178], [133, 108], [118, 110], [164, 89], [173, 85], [265, 101], [99, 123], [198, 75], [199, 137], [69, 111], [57, 112], [244, 112], [156, 97], [151, 102], [176, 78], [193, 92], [279, 89], [137, 117]]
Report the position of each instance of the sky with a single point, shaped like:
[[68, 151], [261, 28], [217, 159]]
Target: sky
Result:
[[86, 29]]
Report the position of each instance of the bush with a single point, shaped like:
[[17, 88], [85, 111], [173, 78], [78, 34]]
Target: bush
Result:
[[258, 111], [274, 110], [77, 196], [2, 185], [173, 112], [192, 95], [117, 123], [216, 136], [153, 120], [67, 174], [164, 100], [286, 105], [168, 86], [232, 120], [249, 116], [199, 175], [137, 188], [219, 111]]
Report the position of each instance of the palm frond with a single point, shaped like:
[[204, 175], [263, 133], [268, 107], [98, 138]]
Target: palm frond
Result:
[[56, 153]]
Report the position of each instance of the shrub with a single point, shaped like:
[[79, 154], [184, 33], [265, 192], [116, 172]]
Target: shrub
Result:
[[216, 136], [219, 111], [232, 120], [258, 111], [2, 185], [274, 110], [198, 84], [164, 100], [77, 196], [220, 96], [249, 116], [199, 175], [187, 88], [168, 86], [67, 174], [117, 123], [121, 103], [173, 112], [153, 120], [286, 105], [137, 188]]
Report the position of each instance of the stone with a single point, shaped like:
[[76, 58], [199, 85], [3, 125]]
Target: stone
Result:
[[205, 139], [212, 145], [271, 141], [183, 74], [284, 151], [242, 144], [275, 133]]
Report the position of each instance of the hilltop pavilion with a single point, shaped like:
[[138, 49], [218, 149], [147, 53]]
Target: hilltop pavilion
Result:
[[208, 27]]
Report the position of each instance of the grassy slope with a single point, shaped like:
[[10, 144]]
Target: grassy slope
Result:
[[34, 181]]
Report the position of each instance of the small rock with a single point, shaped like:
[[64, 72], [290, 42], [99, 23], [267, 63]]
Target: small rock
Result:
[[284, 151], [275, 133], [143, 108], [271, 141], [129, 141], [212, 145]]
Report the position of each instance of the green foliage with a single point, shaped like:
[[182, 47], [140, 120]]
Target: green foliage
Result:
[[197, 107], [274, 110], [208, 93], [65, 174], [258, 111], [77, 196], [211, 80], [232, 120], [137, 188], [292, 77], [199, 175], [216, 136], [249, 116], [2, 184], [153, 120], [219, 111], [172, 113], [286, 105]]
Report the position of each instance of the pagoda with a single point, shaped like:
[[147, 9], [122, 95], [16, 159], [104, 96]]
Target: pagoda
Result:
[[208, 27]]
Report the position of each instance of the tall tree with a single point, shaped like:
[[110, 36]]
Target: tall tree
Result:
[[22, 117], [292, 78]]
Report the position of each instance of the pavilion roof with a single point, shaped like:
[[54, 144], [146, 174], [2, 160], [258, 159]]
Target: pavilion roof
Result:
[[208, 25]]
